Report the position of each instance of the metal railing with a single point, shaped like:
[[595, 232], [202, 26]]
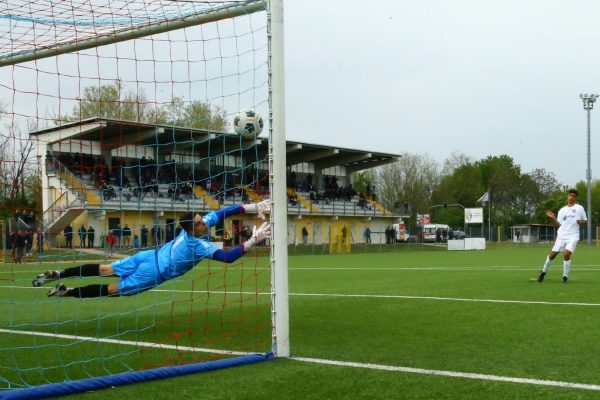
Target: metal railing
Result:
[[60, 206], [336, 207]]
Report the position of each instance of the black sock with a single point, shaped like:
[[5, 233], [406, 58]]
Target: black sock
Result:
[[82, 270], [89, 291]]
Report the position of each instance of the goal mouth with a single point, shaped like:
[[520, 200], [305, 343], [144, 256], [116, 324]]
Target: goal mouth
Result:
[[116, 123]]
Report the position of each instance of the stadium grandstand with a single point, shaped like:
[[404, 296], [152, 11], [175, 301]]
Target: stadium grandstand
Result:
[[108, 174]]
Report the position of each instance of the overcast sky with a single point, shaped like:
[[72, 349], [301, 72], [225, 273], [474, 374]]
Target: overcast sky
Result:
[[435, 77]]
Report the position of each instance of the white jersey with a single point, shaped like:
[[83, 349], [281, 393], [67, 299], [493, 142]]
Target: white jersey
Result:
[[567, 218]]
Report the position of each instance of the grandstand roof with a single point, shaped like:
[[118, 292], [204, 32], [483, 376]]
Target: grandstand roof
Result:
[[116, 133]]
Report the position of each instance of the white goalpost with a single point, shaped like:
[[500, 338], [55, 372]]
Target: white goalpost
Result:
[[278, 182], [108, 109]]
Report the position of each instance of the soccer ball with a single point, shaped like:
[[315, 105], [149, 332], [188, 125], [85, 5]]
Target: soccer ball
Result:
[[248, 124]]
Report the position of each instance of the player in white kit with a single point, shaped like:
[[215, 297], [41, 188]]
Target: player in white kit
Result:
[[568, 219]]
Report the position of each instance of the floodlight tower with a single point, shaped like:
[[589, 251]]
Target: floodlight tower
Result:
[[588, 105]]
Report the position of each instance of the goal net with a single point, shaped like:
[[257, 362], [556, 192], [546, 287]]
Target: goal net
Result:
[[117, 118]]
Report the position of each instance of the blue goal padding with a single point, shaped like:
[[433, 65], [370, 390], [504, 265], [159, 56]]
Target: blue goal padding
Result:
[[126, 378]]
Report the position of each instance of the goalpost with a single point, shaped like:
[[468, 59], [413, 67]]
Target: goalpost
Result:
[[114, 106]]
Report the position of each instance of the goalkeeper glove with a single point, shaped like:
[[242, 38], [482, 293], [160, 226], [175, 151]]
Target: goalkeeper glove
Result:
[[258, 234], [261, 208]]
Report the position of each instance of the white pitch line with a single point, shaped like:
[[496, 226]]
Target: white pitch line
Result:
[[379, 367], [453, 374], [125, 342], [443, 268], [512, 268], [383, 296], [361, 296]]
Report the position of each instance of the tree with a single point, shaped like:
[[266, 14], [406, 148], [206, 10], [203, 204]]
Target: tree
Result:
[[113, 101], [553, 201], [362, 180], [463, 186], [197, 114], [581, 187], [17, 169], [412, 179], [545, 180], [502, 176], [456, 160], [526, 199]]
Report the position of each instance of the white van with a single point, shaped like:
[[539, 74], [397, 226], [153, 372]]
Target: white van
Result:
[[401, 232], [430, 231]]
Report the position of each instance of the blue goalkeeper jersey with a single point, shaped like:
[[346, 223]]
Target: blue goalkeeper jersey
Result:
[[185, 251]]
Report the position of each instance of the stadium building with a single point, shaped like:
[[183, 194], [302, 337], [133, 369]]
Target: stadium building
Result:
[[108, 174]]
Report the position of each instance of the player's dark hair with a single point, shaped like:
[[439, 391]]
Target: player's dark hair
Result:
[[574, 191], [186, 221]]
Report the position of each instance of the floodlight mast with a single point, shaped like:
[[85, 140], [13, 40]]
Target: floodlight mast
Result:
[[588, 105]]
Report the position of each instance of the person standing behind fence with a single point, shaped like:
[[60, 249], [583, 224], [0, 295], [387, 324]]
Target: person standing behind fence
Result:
[[304, 235], [39, 239], [118, 232], [68, 233], [155, 234], [111, 240], [144, 236], [19, 247], [90, 236], [368, 235], [82, 236], [126, 236]]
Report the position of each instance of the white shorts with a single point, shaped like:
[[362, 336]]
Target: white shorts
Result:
[[565, 244]]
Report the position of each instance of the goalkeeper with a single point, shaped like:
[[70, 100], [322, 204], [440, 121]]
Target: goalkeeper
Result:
[[148, 269]]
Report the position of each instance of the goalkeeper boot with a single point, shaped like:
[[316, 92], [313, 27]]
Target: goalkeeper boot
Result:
[[44, 278], [565, 279], [59, 291], [541, 276]]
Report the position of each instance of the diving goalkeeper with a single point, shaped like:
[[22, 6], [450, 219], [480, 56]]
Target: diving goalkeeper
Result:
[[148, 269]]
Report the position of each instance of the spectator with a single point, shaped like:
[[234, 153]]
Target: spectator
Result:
[[144, 236], [368, 235], [344, 234], [118, 233], [90, 236], [304, 235], [82, 236], [111, 241], [68, 233], [155, 235], [40, 241], [128, 193], [19, 245], [50, 163], [126, 236]]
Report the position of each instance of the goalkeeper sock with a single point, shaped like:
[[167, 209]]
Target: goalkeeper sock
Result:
[[89, 291], [566, 268], [82, 270], [547, 264]]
